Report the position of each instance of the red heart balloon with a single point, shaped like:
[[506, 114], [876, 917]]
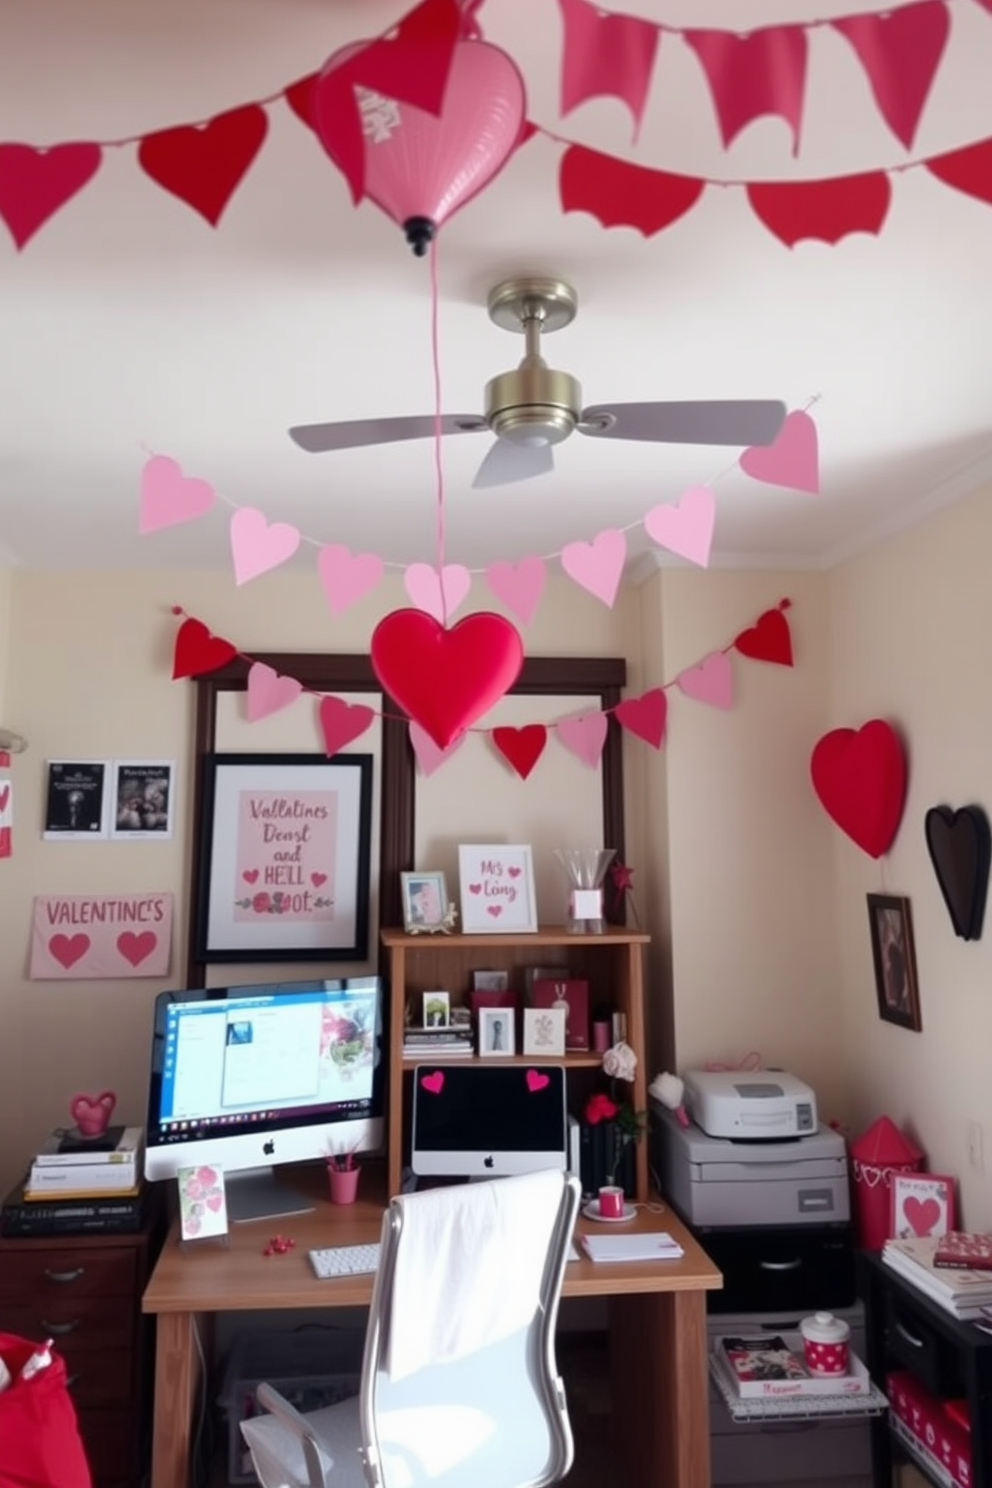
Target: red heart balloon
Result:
[[446, 679], [198, 651], [523, 747], [769, 639], [860, 779]]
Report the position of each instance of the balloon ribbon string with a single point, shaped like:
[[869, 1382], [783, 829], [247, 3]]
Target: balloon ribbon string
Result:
[[438, 463]]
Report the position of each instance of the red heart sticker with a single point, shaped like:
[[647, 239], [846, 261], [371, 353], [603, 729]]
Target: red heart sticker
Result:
[[536, 1081], [198, 651], [434, 1083], [860, 779]]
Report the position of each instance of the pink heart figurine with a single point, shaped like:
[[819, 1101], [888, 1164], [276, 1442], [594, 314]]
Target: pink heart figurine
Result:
[[92, 1113]]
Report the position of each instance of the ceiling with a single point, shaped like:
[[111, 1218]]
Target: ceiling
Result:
[[129, 326]]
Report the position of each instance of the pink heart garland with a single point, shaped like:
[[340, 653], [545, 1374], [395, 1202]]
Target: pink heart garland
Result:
[[434, 1083], [268, 691], [429, 756], [136, 948], [597, 566], [518, 586], [536, 1081], [340, 722], [584, 736], [437, 594], [257, 545], [169, 497], [793, 459], [345, 576], [645, 715], [34, 184], [687, 527], [68, 949], [712, 681]]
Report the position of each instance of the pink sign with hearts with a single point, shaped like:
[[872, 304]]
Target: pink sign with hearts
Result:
[[79, 936], [497, 889]]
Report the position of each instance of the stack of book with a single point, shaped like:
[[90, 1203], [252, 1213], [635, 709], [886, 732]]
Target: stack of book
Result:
[[963, 1291], [437, 1043], [68, 1166]]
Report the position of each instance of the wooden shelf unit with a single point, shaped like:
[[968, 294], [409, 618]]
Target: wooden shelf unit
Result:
[[611, 963]]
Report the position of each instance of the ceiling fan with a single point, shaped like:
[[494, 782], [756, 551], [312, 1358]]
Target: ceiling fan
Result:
[[534, 407]]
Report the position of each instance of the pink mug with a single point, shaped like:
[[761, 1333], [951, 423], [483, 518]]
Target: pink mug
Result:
[[611, 1201]]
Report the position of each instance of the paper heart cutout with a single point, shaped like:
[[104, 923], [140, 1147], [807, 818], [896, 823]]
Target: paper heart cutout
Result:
[[792, 460], [536, 1081], [268, 691], [522, 747], [687, 527], [68, 949], [437, 594], [768, 639], [346, 577], [711, 681], [250, 875], [198, 651], [584, 736], [434, 1083], [136, 947], [168, 497], [4, 797], [922, 1214], [35, 183], [446, 679], [518, 585], [645, 715], [860, 779], [203, 163], [318, 879], [959, 846], [597, 566], [429, 756], [340, 722], [258, 545]]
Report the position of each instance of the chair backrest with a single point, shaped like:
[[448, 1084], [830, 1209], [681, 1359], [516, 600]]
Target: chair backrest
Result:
[[460, 1387]]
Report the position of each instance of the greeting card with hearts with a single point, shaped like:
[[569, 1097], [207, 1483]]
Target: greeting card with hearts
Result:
[[497, 889], [922, 1205], [202, 1202]]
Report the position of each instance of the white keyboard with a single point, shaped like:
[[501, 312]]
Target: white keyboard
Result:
[[345, 1260]]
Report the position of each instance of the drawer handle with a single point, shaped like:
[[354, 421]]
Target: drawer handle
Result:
[[57, 1330], [779, 1265], [910, 1338], [72, 1379], [66, 1275]]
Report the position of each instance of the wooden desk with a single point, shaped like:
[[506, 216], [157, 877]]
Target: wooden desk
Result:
[[657, 1326]]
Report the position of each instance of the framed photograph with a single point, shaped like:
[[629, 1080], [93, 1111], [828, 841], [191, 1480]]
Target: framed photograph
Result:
[[77, 800], [544, 1030], [143, 799], [497, 890], [922, 1204], [437, 1010], [284, 848], [490, 981], [895, 960], [496, 1031], [425, 902]]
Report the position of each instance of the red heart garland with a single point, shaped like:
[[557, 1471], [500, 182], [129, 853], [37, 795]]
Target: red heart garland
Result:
[[198, 651], [446, 679], [34, 184], [340, 722], [523, 747], [769, 639], [860, 779], [203, 163], [645, 715]]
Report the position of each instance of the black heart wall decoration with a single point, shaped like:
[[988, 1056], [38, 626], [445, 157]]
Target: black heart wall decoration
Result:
[[959, 847]]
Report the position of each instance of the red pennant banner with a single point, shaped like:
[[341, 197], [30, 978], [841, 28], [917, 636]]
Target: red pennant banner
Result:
[[198, 651], [619, 194], [900, 52], [34, 184], [299, 96], [521, 747], [968, 170], [645, 715], [769, 639], [202, 164], [610, 55], [828, 210], [749, 76]]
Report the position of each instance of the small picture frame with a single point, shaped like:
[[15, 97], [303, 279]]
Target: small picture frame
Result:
[[497, 1035], [490, 981], [544, 1031], [922, 1205], [425, 903], [437, 1009], [497, 889], [894, 957]]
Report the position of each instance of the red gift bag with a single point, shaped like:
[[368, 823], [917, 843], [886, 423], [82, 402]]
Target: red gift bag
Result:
[[40, 1445]]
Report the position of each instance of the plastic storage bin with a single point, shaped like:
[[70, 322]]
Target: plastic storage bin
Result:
[[311, 1366]]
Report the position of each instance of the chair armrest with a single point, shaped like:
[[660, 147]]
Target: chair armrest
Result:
[[317, 1461]]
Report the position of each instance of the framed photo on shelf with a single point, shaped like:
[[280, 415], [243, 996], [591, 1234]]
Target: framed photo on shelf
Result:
[[437, 1009], [425, 902], [922, 1204], [496, 1032], [284, 853], [544, 1031], [497, 889], [894, 958]]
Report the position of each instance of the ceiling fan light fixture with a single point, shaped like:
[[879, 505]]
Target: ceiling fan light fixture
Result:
[[533, 405], [533, 428]]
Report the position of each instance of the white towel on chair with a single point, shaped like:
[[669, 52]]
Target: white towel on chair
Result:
[[468, 1267]]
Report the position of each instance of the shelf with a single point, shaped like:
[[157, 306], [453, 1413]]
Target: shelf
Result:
[[797, 1407], [917, 1452], [546, 935], [570, 1061]]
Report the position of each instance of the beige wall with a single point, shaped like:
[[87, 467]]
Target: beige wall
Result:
[[5, 577]]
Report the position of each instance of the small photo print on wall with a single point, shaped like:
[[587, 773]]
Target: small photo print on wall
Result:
[[143, 799], [76, 799]]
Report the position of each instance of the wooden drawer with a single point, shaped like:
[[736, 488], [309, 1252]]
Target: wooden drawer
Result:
[[61, 1271], [99, 1378], [916, 1343], [109, 1438], [72, 1321]]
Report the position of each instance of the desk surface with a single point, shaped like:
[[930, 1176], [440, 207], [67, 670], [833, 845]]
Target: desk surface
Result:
[[211, 1276]]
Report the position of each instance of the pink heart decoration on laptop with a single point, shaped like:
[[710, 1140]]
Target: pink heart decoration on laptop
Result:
[[536, 1081], [434, 1083]]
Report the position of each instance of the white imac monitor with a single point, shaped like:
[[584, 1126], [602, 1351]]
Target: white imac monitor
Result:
[[253, 1077], [488, 1120]]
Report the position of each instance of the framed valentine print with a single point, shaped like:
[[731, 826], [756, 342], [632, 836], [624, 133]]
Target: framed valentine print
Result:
[[497, 889], [922, 1205]]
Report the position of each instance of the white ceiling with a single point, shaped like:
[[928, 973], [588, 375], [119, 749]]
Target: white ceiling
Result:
[[129, 326]]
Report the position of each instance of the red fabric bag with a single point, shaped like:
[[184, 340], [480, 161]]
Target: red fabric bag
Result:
[[40, 1445]]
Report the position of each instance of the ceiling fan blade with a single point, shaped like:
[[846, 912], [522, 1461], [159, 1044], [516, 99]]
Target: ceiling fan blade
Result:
[[508, 463], [316, 438], [738, 423]]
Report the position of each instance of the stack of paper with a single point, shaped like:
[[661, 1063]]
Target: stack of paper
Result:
[[656, 1247], [67, 1166], [964, 1292]]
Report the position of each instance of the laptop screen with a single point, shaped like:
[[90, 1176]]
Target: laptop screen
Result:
[[488, 1120]]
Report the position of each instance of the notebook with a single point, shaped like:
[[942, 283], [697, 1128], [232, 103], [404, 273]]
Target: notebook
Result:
[[656, 1247]]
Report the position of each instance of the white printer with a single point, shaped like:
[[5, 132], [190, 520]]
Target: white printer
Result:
[[753, 1104]]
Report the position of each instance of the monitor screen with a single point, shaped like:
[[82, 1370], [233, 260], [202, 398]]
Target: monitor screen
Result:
[[252, 1077], [488, 1120]]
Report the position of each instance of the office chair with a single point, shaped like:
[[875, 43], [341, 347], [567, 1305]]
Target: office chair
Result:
[[460, 1386]]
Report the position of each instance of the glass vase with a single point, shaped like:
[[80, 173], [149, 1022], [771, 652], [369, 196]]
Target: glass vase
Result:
[[585, 869]]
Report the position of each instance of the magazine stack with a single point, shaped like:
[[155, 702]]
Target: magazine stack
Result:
[[965, 1292], [769, 1366]]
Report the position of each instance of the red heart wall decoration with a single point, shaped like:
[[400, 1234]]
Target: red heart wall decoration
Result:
[[35, 183], [446, 679], [203, 163], [522, 747], [768, 639], [198, 651], [860, 779]]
